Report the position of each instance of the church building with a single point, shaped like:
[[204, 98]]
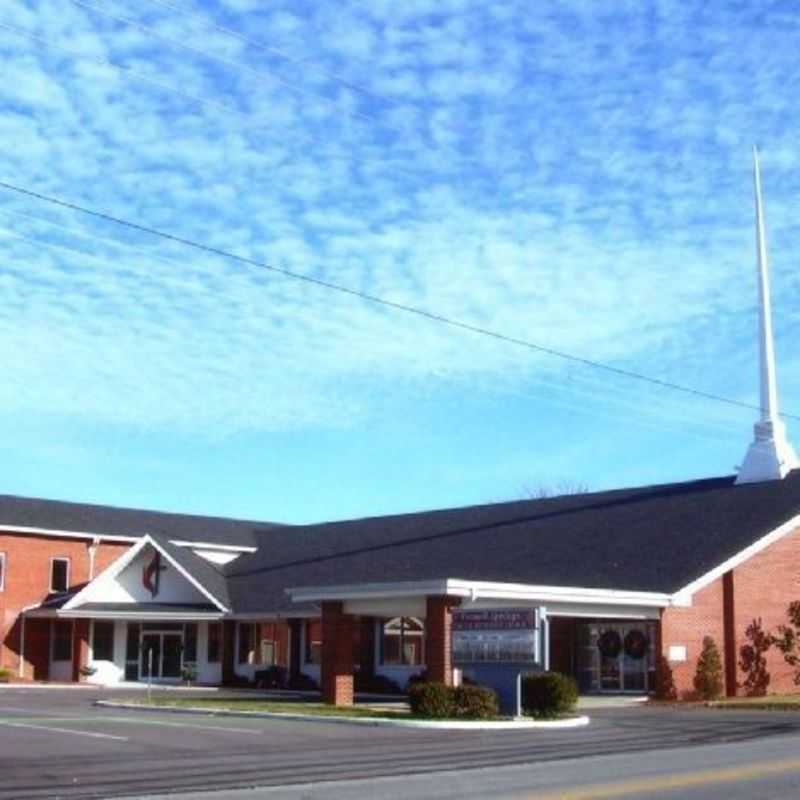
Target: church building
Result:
[[617, 588]]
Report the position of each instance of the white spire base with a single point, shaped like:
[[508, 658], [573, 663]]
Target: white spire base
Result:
[[770, 457]]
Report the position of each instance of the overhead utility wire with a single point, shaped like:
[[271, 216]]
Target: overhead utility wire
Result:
[[419, 312], [212, 24], [259, 74], [121, 68], [669, 420]]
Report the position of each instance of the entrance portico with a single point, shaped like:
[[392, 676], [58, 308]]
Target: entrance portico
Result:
[[573, 622]]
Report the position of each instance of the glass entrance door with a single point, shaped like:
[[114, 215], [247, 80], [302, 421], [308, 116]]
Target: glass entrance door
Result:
[[164, 651], [171, 650]]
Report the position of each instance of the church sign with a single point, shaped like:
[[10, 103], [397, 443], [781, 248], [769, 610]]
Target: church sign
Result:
[[507, 635]]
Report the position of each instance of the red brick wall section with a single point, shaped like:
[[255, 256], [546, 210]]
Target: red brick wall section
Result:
[[438, 640], [27, 582], [337, 655], [763, 588], [686, 627], [759, 590]]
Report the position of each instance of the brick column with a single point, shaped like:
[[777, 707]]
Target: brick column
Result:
[[337, 655], [438, 641], [729, 649], [80, 647]]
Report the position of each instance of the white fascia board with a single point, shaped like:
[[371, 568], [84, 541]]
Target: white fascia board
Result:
[[231, 548], [114, 569], [141, 615], [110, 572], [484, 589], [106, 537], [563, 594], [683, 596]]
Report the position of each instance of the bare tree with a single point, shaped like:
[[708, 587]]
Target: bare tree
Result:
[[542, 491]]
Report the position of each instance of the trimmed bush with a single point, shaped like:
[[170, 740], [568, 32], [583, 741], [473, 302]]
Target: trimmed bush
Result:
[[548, 694], [708, 676], [434, 700], [419, 677], [475, 702], [300, 682], [5, 675], [273, 677], [437, 701]]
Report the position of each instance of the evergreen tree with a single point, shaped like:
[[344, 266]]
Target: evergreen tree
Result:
[[708, 677]]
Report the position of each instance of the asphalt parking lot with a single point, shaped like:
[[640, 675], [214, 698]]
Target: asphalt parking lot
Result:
[[55, 743]]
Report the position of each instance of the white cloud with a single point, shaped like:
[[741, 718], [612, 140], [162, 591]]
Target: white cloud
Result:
[[518, 171]]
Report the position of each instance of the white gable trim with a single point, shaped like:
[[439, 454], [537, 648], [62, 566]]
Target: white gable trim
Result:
[[108, 537], [683, 596], [114, 569]]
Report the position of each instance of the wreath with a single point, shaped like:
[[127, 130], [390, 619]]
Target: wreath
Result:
[[609, 644], [636, 644]]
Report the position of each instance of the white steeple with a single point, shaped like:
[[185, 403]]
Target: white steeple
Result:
[[770, 456]]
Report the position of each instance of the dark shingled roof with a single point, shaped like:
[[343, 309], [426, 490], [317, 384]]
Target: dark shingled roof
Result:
[[654, 538], [86, 518], [204, 572]]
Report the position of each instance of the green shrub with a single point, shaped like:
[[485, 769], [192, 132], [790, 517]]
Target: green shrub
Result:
[[434, 700], [548, 694], [708, 675], [437, 701], [5, 675], [475, 702]]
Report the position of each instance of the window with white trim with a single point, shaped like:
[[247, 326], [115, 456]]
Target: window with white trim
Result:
[[59, 574], [2, 571], [403, 641]]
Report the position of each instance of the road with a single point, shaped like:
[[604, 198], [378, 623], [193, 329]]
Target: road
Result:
[[56, 744]]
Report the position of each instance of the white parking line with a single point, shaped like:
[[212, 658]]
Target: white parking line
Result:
[[140, 721], [63, 730]]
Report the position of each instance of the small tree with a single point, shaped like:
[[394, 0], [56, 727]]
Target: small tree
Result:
[[753, 661], [708, 676], [788, 640]]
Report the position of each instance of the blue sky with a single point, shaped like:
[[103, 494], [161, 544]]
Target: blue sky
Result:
[[575, 177]]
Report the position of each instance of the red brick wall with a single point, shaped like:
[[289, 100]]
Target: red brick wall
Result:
[[27, 582], [759, 589], [338, 630], [687, 627], [763, 587], [438, 641]]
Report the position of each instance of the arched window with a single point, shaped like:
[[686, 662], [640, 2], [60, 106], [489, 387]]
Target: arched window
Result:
[[403, 641]]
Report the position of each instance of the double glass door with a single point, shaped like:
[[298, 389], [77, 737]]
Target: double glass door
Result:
[[616, 656], [163, 652]]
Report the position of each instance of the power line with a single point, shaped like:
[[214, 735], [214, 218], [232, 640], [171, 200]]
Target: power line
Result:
[[670, 420], [259, 74], [213, 25], [371, 298]]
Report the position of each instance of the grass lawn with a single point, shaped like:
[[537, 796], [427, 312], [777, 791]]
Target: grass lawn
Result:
[[272, 706], [770, 702]]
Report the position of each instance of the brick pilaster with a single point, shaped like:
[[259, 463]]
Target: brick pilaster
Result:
[[337, 655], [438, 639]]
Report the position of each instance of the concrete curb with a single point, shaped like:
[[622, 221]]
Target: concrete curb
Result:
[[451, 725]]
